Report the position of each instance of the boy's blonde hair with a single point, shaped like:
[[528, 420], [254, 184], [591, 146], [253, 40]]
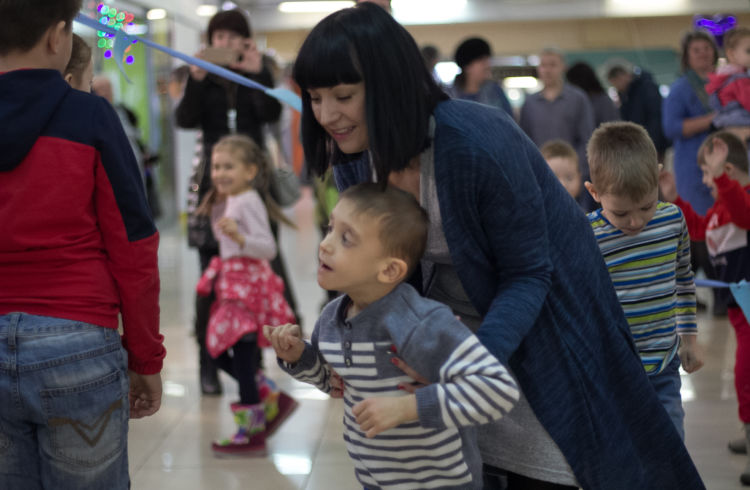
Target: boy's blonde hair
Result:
[[737, 154], [733, 37], [403, 223], [558, 149], [250, 154], [622, 160]]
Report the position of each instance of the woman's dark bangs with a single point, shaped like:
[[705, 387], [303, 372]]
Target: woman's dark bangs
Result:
[[326, 59]]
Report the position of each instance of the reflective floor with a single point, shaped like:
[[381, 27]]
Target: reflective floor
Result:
[[172, 449]]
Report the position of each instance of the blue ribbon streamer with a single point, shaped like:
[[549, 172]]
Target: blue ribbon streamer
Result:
[[122, 40], [710, 283]]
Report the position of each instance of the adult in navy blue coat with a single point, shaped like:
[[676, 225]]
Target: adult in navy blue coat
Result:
[[508, 250]]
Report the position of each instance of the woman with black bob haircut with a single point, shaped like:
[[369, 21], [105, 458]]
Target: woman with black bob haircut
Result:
[[508, 250], [336, 53]]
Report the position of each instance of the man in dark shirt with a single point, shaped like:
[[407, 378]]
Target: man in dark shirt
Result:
[[640, 102]]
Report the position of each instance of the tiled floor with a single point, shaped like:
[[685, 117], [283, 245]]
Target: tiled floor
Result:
[[171, 450]]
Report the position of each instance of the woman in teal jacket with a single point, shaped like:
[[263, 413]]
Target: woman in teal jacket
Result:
[[508, 250]]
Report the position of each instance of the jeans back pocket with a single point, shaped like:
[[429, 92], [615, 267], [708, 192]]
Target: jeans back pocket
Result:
[[87, 422]]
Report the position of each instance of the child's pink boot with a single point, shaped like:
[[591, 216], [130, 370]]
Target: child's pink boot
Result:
[[278, 405], [250, 439]]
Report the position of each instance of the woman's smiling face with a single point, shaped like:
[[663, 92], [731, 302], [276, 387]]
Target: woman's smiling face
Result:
[[340, 110]]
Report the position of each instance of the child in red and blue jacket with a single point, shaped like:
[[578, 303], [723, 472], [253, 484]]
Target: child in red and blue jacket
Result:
[[78, 247]]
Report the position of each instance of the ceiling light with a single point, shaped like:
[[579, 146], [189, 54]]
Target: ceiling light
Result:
[[206, 10], [428, 11], [409, 6], [313, 7], [156, 14], [521, 82]]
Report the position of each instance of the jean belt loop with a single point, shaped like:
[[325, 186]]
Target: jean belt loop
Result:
[[14, 319]]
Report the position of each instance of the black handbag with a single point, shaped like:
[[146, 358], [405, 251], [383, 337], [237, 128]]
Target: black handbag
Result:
[[199, 232]]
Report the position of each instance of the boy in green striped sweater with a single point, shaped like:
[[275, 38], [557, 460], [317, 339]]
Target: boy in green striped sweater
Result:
[[646, 247]]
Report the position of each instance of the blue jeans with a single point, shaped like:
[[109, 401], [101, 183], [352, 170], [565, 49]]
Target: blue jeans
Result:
[[667, 385], [64, 396]]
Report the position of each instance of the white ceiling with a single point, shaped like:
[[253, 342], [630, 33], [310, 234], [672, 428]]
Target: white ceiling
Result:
[[266, 17]]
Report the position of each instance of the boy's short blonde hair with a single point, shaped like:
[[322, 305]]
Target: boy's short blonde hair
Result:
[[737, 154], [733, 37], [622, 160], [403, 223], [559, 149]]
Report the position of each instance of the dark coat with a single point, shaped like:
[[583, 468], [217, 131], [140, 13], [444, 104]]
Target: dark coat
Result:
[[641, 104], [205, 104], [529, 262]]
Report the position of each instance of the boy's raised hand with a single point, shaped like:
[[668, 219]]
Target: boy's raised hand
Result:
[[715, 156], [667, 186], [286, 340], [376, 415]]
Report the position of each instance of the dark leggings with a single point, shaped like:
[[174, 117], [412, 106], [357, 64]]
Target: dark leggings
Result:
[[496, 478], [242, 364]]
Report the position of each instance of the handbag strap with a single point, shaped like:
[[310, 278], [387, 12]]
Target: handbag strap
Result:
[[699, 88]]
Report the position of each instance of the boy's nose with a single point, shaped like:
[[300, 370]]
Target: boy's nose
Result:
[[325, 244]]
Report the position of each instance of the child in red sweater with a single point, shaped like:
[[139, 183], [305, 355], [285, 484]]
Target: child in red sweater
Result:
[[726, 230]]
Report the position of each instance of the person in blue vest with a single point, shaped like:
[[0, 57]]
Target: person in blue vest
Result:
[[507, 250]]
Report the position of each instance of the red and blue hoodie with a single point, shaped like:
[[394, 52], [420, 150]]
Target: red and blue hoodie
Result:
[[726, 231], [77, 240]]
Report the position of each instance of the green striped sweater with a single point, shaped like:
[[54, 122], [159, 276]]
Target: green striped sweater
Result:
[[653, 279]]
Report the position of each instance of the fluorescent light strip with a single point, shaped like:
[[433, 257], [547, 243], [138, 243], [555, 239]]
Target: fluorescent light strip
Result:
[[416, 6], [313, 7], [206, 10], [156, 14]]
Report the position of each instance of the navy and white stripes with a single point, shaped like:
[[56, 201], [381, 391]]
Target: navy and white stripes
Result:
[[468, 387]]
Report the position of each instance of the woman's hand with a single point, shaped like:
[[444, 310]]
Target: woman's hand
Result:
[[419, 380], [337, 385], [196, 73], [251, 60], [695, 125]]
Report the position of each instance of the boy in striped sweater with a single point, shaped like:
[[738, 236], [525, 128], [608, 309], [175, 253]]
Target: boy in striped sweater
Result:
[[646, 247], [395, 439]]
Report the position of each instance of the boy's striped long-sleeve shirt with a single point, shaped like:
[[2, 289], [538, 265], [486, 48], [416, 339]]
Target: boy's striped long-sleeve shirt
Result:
[[654, 282], [468, 387]]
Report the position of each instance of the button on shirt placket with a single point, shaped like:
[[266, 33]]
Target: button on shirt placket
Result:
[[347, 343]]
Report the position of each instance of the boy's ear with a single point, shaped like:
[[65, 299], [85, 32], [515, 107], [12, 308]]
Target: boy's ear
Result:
[[57, 37], [590, 187], [393, 271], [68, 78]]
